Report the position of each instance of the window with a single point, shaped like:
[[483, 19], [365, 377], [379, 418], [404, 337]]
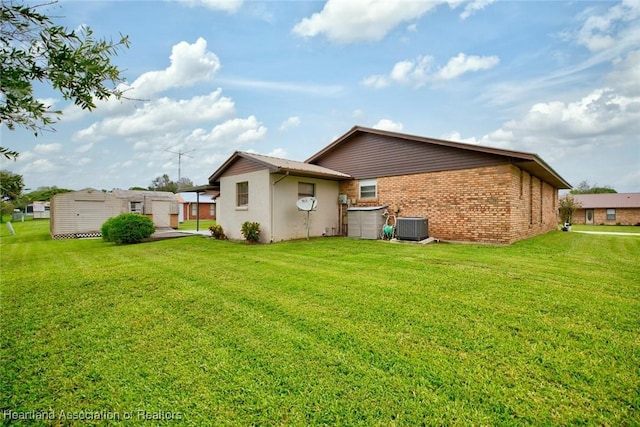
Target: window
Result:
[[368, 189], [306, 189], [242, 194], [611, 214], [135, 207], [194, 210], [212, 210]]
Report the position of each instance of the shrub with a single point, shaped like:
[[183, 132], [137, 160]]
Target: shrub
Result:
[[567, 207], [217, 232], [251, 231], [127, 228]]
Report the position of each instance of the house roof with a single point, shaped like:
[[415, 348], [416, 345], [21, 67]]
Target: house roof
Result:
[[278, 165], [191, 197], [123, 194], [608, 200], [529, 162]]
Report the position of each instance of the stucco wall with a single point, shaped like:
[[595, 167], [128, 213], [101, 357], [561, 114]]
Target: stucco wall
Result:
[[272, 203], [290, 223], [231, 217]]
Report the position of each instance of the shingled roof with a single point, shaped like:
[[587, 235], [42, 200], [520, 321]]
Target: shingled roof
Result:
[[608, 200], [279, 165]]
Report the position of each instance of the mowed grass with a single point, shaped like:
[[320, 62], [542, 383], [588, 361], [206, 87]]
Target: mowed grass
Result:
[[606, 228], [327, 331], [204, 225]]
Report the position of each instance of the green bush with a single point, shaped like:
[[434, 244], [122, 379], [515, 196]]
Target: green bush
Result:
[[251, 231], [217, 232], [127, 228]]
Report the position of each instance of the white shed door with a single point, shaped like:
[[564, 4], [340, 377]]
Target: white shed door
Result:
[[90, 216], [162, 213]]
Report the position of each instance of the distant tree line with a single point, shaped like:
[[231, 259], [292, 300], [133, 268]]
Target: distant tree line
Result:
[[585, 188]]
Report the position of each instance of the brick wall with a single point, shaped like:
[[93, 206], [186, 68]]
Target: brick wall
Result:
[[495, 204]]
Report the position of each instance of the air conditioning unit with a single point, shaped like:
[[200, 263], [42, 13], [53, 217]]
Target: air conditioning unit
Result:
[[412, 228]]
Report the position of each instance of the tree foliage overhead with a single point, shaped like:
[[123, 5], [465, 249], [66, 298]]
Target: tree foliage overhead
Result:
[[585, 188], [164, 183], [11, 185], [34, 49]]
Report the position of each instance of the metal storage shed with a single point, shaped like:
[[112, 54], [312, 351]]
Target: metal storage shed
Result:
[[365, 222], [81, 213]]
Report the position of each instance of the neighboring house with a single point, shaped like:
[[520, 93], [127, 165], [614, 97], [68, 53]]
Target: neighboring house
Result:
[[607, 208], [265, 189], [81, 213], [467, 192], [39, 209], [197, 205]]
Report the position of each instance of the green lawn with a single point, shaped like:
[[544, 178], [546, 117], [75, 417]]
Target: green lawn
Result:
[[205, 224], [327, 331], [607, 228]]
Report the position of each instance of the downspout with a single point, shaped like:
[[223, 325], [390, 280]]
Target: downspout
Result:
[[273, 201]]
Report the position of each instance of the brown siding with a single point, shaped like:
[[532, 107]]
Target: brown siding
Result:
[[371, 156], [242, 165]]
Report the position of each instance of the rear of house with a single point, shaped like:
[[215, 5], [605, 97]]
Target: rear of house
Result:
[[467, 192], [265, 189], [607, 208]]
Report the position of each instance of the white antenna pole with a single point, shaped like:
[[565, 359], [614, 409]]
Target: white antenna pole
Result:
[[180, 153]]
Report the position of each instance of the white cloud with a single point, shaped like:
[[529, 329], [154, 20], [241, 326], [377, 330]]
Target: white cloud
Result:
[[419, 71], [230, 6], [390, 125], [84, 148], [42, 166], [473, 6], [190, 63], [462, 63], [161, 116], [47, 148], [377, 81], [297, 87], [600, 32], [360, 20], [626, 74], [291, 122], [234, 131], [603, 119], [278, 152]]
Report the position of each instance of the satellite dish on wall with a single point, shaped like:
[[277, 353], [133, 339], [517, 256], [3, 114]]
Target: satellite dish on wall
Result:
[[307, 203]]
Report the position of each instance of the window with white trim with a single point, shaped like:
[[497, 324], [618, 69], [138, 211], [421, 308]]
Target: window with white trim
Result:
[[611, 214], [242, 194], [306, 189], [368, 188]]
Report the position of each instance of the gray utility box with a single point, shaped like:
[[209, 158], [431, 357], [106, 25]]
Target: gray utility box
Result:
[[365, 222], [412, 229]]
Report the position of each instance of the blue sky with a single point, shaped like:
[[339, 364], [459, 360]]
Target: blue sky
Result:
[[285, 78]]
